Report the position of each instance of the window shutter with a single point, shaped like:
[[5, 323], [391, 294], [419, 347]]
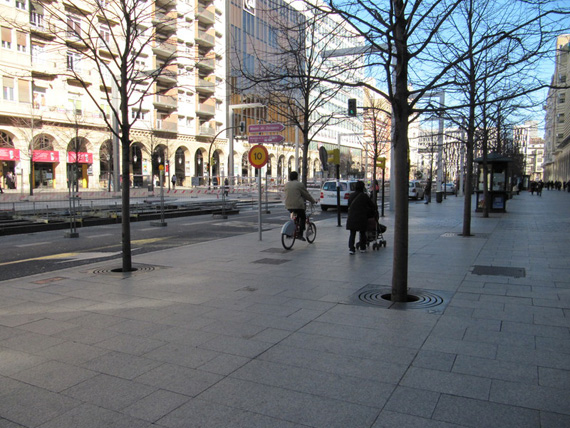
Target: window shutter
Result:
[[23, 91]]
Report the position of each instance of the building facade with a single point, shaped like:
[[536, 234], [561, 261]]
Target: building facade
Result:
[[557, 119]]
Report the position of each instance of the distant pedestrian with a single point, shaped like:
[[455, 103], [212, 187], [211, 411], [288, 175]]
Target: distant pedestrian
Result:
[[226, 187], [360, 209], [539, 187], [427, 192], [173, 179]]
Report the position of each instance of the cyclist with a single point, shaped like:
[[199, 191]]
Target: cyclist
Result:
[[295, 196]]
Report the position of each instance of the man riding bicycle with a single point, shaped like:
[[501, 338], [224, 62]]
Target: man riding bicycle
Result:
[[295, 196]]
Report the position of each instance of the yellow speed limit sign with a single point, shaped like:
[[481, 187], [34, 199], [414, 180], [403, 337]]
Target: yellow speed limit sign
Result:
[[258, 156]]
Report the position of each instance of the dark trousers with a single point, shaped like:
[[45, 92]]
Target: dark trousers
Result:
[[352, 238], [301, 219]]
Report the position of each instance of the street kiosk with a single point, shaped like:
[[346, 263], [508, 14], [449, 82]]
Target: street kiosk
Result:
[[497, 181]]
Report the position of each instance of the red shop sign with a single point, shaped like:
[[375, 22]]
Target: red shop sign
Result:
[[9, 154], [46, 156], [79, 157]]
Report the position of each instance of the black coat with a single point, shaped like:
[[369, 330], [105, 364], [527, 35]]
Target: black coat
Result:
[[360, 209]]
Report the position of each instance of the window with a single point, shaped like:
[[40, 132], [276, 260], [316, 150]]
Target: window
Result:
[[561, 98], [6, 38], [138, 114], [21, 41], [8, 88], [23, 91], [38, 54], [560, 118], [74, 61], [21, 4], [73, 26], [105, 35], [37, 15], [39, 95], [74, 102]]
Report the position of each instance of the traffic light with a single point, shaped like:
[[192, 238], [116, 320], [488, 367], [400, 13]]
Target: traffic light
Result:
[[352, 107], [242, 127]]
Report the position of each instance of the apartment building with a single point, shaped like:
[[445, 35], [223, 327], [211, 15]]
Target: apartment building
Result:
[[531, 146], [557, 119], [55, 108]]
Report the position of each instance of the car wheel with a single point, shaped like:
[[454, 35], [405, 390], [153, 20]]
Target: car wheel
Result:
[[324, 207]]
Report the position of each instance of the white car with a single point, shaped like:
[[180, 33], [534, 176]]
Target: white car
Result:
[[449, 188], [415, 190], [328, 193]]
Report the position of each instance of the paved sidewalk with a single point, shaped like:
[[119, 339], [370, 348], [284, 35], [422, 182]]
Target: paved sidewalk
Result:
[[239, 333]]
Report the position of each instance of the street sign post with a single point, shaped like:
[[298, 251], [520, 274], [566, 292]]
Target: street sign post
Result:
[[266, 127], [258, 157], [259, 139]]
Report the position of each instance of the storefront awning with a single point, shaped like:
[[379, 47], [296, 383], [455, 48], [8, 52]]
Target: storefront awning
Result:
[[9, 154], [47, 156], [79, 157]]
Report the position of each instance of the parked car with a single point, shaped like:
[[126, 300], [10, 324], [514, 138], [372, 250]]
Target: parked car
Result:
[[328, 193], [449, 188], [415, 190]]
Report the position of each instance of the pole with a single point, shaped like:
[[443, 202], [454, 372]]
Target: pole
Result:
[[231, 151], [260, 200], [338, 183], [116, 152], [440, 143], [383, 171]]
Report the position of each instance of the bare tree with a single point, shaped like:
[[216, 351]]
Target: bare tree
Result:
[[403, 39], [106, 49], [289, 75]]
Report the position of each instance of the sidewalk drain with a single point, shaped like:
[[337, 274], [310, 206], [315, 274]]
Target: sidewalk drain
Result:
[[499, 271], [271, 261], [433, 301]]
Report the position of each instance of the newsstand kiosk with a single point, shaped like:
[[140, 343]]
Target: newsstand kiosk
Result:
[[497, 180]]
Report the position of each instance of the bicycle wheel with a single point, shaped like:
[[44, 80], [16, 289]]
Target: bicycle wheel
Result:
[[311, 232], [287, 240]]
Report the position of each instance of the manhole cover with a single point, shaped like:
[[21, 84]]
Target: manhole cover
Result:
[[118, 271], [515, 272], [271, 261], [433, 301]]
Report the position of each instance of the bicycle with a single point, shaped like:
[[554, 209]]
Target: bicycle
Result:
[[291, 230]]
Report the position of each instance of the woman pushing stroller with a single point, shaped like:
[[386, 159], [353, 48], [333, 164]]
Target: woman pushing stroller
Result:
[[360, 209]]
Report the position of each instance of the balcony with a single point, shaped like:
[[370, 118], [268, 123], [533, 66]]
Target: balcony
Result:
[[165, 102], [204, 63], [165, 4], [164, 126], [164, 23], [206, 131], [167, 77], [164, 49], [205, 109], [205, 15], [205, 38], [204, 86]]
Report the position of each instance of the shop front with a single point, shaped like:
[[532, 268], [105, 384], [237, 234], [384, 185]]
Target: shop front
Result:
[[79, 166], [8, 159], [45, 163]]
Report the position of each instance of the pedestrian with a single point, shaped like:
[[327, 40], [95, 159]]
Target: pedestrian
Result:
[[173, 179], [360, 209], [427, 192], [295, 196], [226, 187], [539, 187]]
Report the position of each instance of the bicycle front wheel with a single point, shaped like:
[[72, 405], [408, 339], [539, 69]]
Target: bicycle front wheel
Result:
[[311, 232], [287, 240]]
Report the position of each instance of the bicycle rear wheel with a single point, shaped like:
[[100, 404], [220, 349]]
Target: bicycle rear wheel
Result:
[[311, 232], [287, 240]]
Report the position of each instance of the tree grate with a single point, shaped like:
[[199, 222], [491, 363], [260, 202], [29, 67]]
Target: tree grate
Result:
[[137, 269], [433, 301]]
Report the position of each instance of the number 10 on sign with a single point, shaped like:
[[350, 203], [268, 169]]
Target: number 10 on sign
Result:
[[258, 156]]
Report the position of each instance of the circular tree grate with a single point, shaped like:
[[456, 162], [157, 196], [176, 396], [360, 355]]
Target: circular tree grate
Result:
[[420, 299], [113, 271]]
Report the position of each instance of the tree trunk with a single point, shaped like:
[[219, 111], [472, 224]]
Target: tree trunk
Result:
[[400, 149]]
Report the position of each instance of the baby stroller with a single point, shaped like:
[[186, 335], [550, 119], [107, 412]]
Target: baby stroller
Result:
[[374, 233]]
